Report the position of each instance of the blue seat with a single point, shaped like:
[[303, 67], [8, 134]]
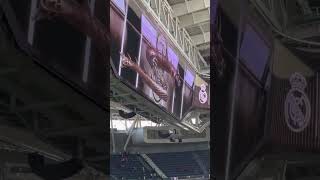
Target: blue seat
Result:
[[131, 169], [177, 164]]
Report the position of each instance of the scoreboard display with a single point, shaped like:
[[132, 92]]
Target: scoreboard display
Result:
[[51, 33], [145, 59], [72, 40]]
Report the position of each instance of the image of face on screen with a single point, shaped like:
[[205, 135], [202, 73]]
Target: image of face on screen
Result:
[[153, 62], [159, 63]]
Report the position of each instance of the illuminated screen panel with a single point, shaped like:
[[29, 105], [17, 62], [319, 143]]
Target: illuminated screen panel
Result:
[[178, 94], [116, 32], [187, 91], [121, 4], [189, 77], [156, 60], [148, 31], [130, 48], [254, 52], [150, 64], [173, 58]]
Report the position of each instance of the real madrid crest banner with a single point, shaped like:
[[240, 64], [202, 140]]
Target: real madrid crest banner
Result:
[[293, 113], [297, 104], [202, 92]]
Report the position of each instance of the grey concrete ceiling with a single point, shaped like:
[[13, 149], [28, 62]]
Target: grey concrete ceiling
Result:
[[194, 16]]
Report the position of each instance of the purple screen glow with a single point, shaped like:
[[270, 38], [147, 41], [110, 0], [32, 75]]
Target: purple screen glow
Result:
[[254, 52], [173, 58], [148, 31], [120, 4], [189, 77]]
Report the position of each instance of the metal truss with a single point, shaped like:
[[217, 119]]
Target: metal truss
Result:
[[124, 98], [121, 99], [267, 9], [19, 109], [276, 14], [194, 16]]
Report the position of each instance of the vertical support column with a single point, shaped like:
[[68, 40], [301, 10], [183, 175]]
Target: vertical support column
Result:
[[32, 21], [159, 9], [176, 28], [126, 124], [130, 134], [233, 93], [123, 35], [88, 49], [112, 137], [139, 58], [317, 106], [183, 89]]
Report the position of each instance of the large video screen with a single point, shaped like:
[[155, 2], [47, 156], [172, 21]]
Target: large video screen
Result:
[[250, 106], [249, 119], [76, 52], [147, 61], [254, 52]]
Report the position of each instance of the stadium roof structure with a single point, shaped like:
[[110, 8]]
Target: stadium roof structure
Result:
[[194, 16]]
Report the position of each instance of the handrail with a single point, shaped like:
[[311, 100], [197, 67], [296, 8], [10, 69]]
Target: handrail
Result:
[[154, 166], [283, 34], [163, 14]]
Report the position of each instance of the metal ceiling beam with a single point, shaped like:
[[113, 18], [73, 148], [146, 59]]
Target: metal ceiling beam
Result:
[[22, 94], [204, 46], [206, 53], [28, 140], [305, 7], [188, 7], [163, 15], [37, 106], [74, 131], [201, 38], [195, 19]]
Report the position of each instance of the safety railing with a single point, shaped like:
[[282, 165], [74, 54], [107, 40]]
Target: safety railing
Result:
[[306, 18], [195, 177], [163, 13]]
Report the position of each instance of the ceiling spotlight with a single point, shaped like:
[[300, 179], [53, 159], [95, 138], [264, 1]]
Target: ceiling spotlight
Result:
[[193, 120]]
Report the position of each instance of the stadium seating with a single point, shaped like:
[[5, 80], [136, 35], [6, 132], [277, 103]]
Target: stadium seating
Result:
[[205, 158], [178, 164], [131, 169]]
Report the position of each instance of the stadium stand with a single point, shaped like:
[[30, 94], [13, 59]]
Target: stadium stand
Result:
[[173, 165], [132, 168], [176, 164]]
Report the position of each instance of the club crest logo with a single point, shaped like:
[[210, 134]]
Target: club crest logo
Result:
[[203, 96], [297, 104]]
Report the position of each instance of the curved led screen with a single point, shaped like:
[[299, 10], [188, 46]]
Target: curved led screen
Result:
[[254, 52], [146, 60]]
